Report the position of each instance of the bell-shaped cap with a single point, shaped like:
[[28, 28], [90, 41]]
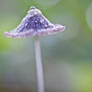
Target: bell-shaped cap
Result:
[[34, 23]]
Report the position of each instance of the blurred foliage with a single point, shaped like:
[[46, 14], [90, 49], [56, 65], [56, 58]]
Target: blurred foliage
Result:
[[67, 57]]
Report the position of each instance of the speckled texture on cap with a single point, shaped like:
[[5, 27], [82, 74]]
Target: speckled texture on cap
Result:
[[34, 23]]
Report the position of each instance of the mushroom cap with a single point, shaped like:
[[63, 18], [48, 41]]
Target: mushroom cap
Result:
[[34, 23]]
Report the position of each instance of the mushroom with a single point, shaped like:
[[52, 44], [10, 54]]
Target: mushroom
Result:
[[35, 24]]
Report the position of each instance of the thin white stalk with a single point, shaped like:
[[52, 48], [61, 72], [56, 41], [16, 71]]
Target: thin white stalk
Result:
[[39, 66]]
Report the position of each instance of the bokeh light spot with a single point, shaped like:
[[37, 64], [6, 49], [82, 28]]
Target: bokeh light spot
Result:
[[89, 16], [47, 3]]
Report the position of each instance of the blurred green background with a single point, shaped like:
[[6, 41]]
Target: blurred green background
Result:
[[67, 56]]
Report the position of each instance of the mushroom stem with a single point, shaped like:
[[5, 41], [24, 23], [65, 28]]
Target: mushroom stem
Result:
[[39, 66]]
